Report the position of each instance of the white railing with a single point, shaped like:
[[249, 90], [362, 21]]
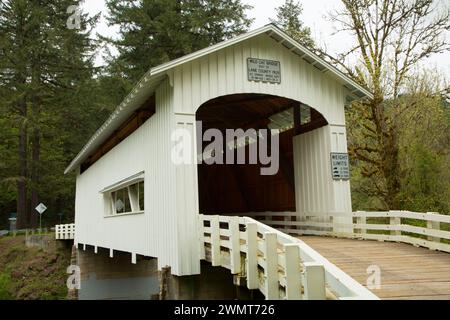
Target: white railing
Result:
[[65, 231], [419, 229], [280, 266]]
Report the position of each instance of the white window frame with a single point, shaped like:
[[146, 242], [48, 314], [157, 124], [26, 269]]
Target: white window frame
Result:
[[133, 195]]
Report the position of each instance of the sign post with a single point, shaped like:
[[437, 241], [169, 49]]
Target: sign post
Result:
[[41, 208]]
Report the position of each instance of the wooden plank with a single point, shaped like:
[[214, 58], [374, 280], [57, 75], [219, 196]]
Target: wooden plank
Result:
[[252, 254], [293, 272], [235, 244], [201, 232], [395, 222], [271, 269], [407, 272], [434, 226], [215, 241], [314, 281]]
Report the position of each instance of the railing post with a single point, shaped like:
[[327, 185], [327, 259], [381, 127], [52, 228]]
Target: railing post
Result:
[[201, 225], [235, 243], [433, 225], [314, 281], [252, 256], [215, 242], [395, 222], [361, 220], [293, 272], [271, 271]]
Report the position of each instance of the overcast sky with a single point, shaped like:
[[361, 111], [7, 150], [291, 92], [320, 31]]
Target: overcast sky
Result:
[[315, 15]]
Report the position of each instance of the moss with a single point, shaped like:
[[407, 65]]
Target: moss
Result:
[[5, 284], [32, 273]]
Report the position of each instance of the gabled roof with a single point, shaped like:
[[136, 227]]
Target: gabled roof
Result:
[[148, 84]]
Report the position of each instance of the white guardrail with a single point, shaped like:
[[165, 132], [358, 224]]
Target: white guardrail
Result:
[[395, 226], [65, 231], [279, 265]]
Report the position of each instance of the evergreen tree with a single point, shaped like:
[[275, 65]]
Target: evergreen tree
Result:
[[288, 19], [156, 31], [46, 73]]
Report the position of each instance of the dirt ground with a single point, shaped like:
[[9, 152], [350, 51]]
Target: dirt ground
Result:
[[33, 273]]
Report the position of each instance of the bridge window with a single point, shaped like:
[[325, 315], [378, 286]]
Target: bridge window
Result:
[[126, 197]]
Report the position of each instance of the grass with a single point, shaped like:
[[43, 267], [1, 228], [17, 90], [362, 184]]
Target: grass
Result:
[[5, 284], [32, 273]]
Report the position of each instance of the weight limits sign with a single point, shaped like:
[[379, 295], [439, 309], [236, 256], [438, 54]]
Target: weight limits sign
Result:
[[260, 70], [340, 166]]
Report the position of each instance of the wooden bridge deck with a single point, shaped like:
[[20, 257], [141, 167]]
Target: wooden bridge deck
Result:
[[407, 272]]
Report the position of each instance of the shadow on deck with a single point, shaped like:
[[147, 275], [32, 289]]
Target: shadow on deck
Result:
[[407, 272]]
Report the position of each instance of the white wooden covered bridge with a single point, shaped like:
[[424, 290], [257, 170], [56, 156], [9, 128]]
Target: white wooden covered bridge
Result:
[[131, 195]]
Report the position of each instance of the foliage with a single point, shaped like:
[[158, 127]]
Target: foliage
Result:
[[423, 154], [391, 39], [288, 18], [5, 283], [47, 102], [152, 32]]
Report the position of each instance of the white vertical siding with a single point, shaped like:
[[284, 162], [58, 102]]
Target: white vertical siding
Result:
[[151, 234], [225, 72], [316, 191], [343, 202], [167, 230], [187, 207]]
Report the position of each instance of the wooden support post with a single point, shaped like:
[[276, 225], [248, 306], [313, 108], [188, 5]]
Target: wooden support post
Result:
[[271, 271], [111, 253], [293, 272], [133, 258], [288, 225], [297, 118], [433, 225], [201, 237], [235, 241], [215, 242], [314, 281], [251, 261], [396, 222], [95, 249]]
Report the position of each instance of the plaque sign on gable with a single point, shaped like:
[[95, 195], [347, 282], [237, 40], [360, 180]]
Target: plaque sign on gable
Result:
[[340, 166], [260, 70]]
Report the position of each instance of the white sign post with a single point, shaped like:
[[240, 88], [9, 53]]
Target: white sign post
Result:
[[41, 208]]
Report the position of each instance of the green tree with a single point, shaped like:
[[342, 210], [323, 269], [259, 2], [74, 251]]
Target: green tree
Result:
[[423, 135], [391, 39], [152, 32], [46, 74], [288, 18]]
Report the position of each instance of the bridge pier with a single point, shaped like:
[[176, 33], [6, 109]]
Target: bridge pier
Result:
[[105, 278]]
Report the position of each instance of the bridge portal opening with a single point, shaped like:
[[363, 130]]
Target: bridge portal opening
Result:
[[237, 189]]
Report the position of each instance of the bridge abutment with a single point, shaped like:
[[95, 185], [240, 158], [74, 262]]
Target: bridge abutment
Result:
[[105, 278]]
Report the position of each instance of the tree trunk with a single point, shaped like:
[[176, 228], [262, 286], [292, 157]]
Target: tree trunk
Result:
[[391, 169], [22, 217], [35, 161]]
